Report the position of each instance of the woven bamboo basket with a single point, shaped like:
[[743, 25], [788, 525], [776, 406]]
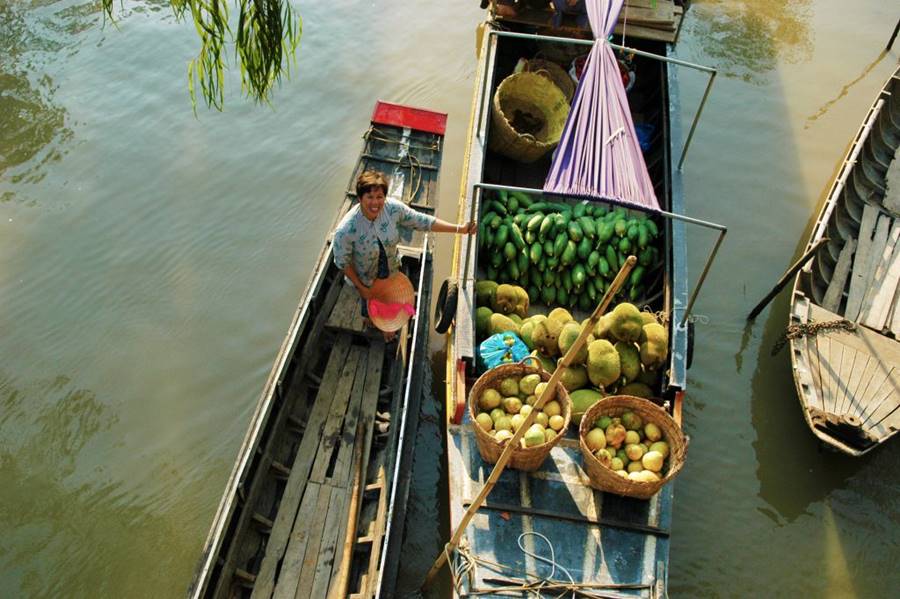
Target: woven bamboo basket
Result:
[[554, 73], [526, 459], [605, 479], [533, 98]]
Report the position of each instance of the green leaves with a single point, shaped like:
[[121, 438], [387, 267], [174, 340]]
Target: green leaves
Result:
[[268, 34]]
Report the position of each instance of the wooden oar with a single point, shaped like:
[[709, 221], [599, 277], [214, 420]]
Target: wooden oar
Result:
[[549, 391], [790, 272]]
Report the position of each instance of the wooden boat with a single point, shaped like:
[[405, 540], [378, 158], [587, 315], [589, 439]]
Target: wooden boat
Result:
[[608, 545], [315, 503], [848, 381]]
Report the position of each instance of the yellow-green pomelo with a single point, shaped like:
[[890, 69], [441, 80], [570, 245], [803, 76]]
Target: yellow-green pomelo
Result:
[[546, 362], [512, 405], [595, 439], [484, 421], [542, 419], [634, 452], [631, 437], [631, 421], [525, 410], [549, 433], [516, 421], [552, 408], [497, 413], [489, 399], [504, 423], [509, 386], [652, 432], [503, 435], [616, 464], [661, 447], [652, 460], [534, 435], [528, 383], [500, 323], [557, 422], [604, 456], [634, 467]]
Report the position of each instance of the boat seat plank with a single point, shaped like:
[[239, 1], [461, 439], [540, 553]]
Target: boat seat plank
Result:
[[329, 436], [859, 276], [346, 314], [297, 481], [838, 282], [884, 399], [863, 369], [848, 361], [299, 539], [826, 371]]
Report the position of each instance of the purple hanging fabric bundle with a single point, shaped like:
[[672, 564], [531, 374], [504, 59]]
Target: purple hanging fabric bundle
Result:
[[599, 155]]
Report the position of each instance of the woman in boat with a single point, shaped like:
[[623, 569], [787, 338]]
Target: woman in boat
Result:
[[366, 239]]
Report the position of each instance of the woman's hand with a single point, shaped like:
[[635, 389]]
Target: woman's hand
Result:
[[468, 228]]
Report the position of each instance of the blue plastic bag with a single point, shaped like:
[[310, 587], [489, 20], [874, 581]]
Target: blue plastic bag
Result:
[[502, 348]]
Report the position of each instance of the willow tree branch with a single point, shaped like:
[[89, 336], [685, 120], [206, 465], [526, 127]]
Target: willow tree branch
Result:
[[268, 34]]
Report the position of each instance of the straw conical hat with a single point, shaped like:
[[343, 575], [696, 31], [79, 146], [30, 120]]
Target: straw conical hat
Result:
[[396, 289]]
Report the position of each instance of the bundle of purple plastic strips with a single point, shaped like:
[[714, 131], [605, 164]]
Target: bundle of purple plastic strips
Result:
[[598, 154]]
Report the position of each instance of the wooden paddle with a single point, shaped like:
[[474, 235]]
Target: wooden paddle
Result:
[[549, 392]]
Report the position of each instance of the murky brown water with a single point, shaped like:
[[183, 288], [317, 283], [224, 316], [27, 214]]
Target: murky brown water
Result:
[[150, 263]]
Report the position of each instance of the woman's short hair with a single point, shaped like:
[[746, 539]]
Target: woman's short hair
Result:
[[370, 181]]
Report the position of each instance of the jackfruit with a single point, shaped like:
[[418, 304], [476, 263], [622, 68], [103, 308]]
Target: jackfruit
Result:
[[626, 322], [574, 377], [567, 336], [603, 365], [561, 315], [637, 390], [485, 292], [501, 323], [505, 299], [655, 346], [483, 322], [630, 359], [546, 335], [601, 329]]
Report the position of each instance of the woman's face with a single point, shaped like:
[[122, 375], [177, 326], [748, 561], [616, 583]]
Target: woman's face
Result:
[[371, 203]]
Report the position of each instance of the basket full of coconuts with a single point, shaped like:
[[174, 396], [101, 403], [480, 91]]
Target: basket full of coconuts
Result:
[[501, 400], [630, 446]]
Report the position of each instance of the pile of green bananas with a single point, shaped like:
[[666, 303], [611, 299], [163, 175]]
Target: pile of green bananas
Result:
[[565, 254]]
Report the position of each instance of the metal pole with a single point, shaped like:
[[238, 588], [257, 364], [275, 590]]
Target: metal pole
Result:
[[709, 261], [893, 36], [690, 136]]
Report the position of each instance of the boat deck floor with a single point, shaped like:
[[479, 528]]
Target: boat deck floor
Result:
[[849, 380], [306, 547], [606, 543]]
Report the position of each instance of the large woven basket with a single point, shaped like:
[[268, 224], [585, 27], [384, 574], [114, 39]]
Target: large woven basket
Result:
[[605, 479], [532, 98], [554, 73], [526, 459]]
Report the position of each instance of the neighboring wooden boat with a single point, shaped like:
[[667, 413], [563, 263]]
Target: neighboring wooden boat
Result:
[[848, 381], [611, 546], [316, 501]]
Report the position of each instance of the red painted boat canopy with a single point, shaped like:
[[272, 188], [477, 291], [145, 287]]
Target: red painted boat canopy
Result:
[[398, 115], [599, 155]]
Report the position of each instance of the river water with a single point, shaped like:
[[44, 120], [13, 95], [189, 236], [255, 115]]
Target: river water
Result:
[[150, 262]]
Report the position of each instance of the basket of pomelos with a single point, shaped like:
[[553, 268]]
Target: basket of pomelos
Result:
[[500, 401], [630, 446]]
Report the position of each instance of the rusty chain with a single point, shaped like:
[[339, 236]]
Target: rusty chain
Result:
[[795, 331]]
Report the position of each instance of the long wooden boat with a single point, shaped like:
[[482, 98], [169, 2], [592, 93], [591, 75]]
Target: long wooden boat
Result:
[[848, 381], [610, 546], [315, 504]]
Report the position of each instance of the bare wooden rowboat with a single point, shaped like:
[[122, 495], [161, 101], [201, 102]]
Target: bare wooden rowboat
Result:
[[316, 501], [846, 355]]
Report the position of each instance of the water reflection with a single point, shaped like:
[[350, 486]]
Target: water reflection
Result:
[[33, 129], [794, 471], [843, 91], [745, 39]]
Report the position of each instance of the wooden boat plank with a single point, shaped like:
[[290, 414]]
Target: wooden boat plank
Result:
[[822, 344], [335, 522], [287, 587], [329, 437], [346, 436], [878, 261], [885, 284], [835, 292], [848, 360], [883, 399], [299, 540], [865, 364], [296, 484], [860, 275], [346, 314]]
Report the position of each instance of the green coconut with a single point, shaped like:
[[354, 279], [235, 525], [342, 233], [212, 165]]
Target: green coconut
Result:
[[630, 359], [637, 390], [483, 321], [485, 292], [582, 399], [573, 377], [626, 322], [603, 365]]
